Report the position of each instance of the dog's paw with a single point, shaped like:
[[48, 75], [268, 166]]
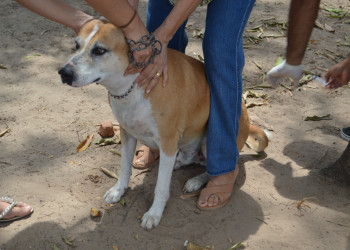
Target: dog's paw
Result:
[[113, 195], [150, 220], [195, 183]]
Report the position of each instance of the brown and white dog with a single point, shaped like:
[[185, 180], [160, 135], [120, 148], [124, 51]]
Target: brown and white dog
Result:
[[172, 119]]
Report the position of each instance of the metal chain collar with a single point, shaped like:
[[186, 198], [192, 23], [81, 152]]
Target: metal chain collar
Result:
[[123, 95], [145, 42]]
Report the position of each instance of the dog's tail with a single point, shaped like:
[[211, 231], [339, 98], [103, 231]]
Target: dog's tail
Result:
[[257, 139]]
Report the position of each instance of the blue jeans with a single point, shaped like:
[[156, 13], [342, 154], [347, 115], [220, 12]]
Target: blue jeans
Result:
[[224, 62]]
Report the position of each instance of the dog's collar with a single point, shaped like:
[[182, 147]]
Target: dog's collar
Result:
[[123, 95]]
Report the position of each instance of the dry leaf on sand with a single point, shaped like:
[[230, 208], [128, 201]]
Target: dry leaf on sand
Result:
[[85, 144]]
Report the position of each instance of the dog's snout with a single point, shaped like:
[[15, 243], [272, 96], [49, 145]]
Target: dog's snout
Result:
[[67, 74]]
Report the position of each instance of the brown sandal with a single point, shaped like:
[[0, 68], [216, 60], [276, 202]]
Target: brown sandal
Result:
[[145, 158], [223, 192]]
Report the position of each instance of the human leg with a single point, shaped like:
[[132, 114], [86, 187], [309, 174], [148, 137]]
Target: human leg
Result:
[[224, 61]]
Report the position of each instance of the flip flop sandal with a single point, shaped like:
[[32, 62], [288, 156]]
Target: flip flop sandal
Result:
[[223, 192], [345, 133], [9, 209], [146, 160]]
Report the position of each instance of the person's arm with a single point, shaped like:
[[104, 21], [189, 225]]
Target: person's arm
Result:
[[58, 11], [121, 13], [339, 74], [302, 16], [181, 11]]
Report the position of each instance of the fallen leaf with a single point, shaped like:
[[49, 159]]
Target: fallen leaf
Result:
[[109, 173], [122, 201], [256, 95], [318, 118], [95, 213], [319, 25], [279, 60], [106, 141], [2, 66], [4, 132], [117, 135], [115, 247], [254, 104], [301, 203], [260, 86], [257, 65], [31, 56], [115, 152], [236, 246], [54, 247], [192, 246], [85, 144], [328, 28], [69, 242]]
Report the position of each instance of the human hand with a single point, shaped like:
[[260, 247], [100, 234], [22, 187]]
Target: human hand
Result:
[[151, 73], [338, 75], [277, 73]]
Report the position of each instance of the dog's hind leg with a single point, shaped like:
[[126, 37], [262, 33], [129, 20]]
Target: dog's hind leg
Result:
[[114, 194], [162, 192], [200, 180], [190, 153], [196, 182]]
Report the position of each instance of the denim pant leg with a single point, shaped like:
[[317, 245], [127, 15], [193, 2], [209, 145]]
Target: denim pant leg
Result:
[[224, 61], [157, 11]]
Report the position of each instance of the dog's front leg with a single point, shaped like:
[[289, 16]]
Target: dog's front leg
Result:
[[114, 194], [162, 191]]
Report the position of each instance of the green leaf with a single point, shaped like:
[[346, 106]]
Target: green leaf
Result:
[[107, 141], [236, 246], [122, 201], [339, 11], [318, 118], [279, 60], [54, 247], [31, 56]]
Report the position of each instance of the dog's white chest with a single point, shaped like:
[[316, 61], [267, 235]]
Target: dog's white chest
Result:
[[135, 116]]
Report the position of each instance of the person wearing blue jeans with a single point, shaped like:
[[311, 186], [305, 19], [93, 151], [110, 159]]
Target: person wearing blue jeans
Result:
[[224, 61]]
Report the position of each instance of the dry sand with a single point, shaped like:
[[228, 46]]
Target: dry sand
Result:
[[39, 163]]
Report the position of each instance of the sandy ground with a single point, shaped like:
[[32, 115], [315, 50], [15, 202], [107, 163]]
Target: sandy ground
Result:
[[47, 120]]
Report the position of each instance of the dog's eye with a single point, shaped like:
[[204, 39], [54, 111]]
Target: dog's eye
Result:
[[99, 51], [77, 46]]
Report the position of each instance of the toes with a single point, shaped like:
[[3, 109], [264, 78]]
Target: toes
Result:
[[21, 209], [213, 200], [150, 220]]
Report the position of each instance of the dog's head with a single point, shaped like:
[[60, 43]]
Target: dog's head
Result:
[[101, 52]]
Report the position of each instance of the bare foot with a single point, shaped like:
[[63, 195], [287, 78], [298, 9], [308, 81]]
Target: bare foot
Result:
[[21, 209], [218, 191]]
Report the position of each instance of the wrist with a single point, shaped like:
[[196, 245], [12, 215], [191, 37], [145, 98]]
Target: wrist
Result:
[[135, 30]]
